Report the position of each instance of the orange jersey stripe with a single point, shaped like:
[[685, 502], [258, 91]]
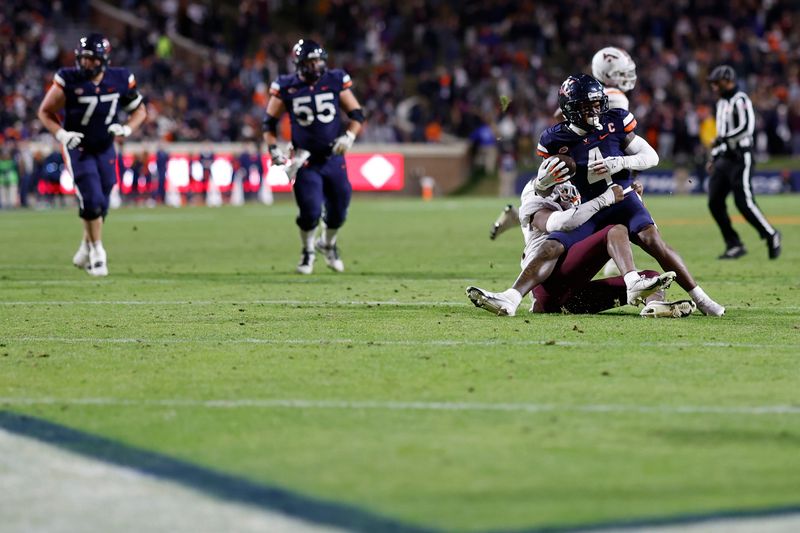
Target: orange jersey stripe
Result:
[[543, 154], [629, 127], [347, 85]]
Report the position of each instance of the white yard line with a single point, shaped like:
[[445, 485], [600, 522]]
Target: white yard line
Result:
[[386, 342], [48, 489], [784, 309], [305, 303], [288, 403]]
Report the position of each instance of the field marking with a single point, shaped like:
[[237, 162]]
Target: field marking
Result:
[[306, 303], [284, 403], [405, 342], [91, 495], [388, 303]]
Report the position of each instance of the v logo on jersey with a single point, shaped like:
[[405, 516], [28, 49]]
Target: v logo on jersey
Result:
[[586, 140], [604, 136]]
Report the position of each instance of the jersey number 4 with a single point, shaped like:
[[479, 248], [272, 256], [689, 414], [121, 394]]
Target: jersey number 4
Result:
[[325, 110], [91, 104], [591, 177]]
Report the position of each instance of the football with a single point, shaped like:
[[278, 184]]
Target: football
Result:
[[570, 163]]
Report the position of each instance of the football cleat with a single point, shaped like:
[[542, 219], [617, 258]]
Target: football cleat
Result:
[[81, 258], [644, 287], [495, 303], [677, 309], [306, 264], [735, 252], [98, 265], [774, 245], [709, 307], [508, 219], [331, 255]]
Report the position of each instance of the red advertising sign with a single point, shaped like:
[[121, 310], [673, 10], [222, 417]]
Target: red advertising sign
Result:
[[366, 171]]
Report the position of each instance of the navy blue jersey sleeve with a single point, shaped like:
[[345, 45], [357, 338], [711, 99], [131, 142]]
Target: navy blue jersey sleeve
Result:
[[623, 120], [130, 99], [343, 78], [555, 140]]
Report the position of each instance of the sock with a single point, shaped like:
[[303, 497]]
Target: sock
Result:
[[513, 295], [631, 278], [698, 294], [84, 247], [307, 237], [330, 236], [97, 247]]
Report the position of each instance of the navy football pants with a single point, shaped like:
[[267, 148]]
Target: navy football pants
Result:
[[319, 184], [95, 174]]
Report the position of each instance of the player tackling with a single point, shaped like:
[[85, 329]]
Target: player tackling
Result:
[[605, 148]]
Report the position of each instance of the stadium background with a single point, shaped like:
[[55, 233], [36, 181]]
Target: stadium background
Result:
[[431, 76]]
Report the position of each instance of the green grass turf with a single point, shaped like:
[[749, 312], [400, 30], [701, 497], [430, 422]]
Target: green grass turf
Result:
[[203, 304]]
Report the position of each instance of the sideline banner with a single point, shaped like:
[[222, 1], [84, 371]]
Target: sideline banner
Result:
[[190, 173]]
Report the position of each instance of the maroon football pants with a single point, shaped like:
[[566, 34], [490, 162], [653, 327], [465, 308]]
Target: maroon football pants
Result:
[[570, 287]]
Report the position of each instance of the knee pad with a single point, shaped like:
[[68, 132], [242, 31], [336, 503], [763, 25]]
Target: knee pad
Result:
[[307, 223], [335, 222], [91, 213]]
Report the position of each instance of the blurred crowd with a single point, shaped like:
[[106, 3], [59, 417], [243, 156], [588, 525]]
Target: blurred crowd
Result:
[[427, 71]]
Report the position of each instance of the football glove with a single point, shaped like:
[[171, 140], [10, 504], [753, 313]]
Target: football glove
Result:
[[552, 171], [277, 155], [70, 139], [120, 130], [299, 159], [612, 165], [344, 143]]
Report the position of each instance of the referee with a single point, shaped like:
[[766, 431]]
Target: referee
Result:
[[732, 163]]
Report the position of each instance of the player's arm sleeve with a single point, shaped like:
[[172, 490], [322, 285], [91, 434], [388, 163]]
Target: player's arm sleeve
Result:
[[640, 155], [131, 99], [59, 78], [275, 90], [572, 218], [541, 150], [347, 82]]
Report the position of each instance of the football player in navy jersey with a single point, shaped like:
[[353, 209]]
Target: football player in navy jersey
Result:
[[606, 149], [313, 97], [88, 98]]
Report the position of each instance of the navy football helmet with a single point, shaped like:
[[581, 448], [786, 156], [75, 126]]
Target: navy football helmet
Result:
[[93, 46], [582, 100], [309, 57]]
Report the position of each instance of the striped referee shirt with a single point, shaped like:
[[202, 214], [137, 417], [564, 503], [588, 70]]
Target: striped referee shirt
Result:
[[735, 123]]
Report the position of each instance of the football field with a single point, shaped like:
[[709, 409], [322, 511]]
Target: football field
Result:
[[380, 399]]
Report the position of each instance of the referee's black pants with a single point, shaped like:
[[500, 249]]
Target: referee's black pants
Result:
[[731, 173]]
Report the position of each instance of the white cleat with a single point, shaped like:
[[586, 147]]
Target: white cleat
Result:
[[81, 258], [676, 309], [644, 287], [331, 255], [709, 307], [508, 219], [98, 264], [306, 264], [493, 302]]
